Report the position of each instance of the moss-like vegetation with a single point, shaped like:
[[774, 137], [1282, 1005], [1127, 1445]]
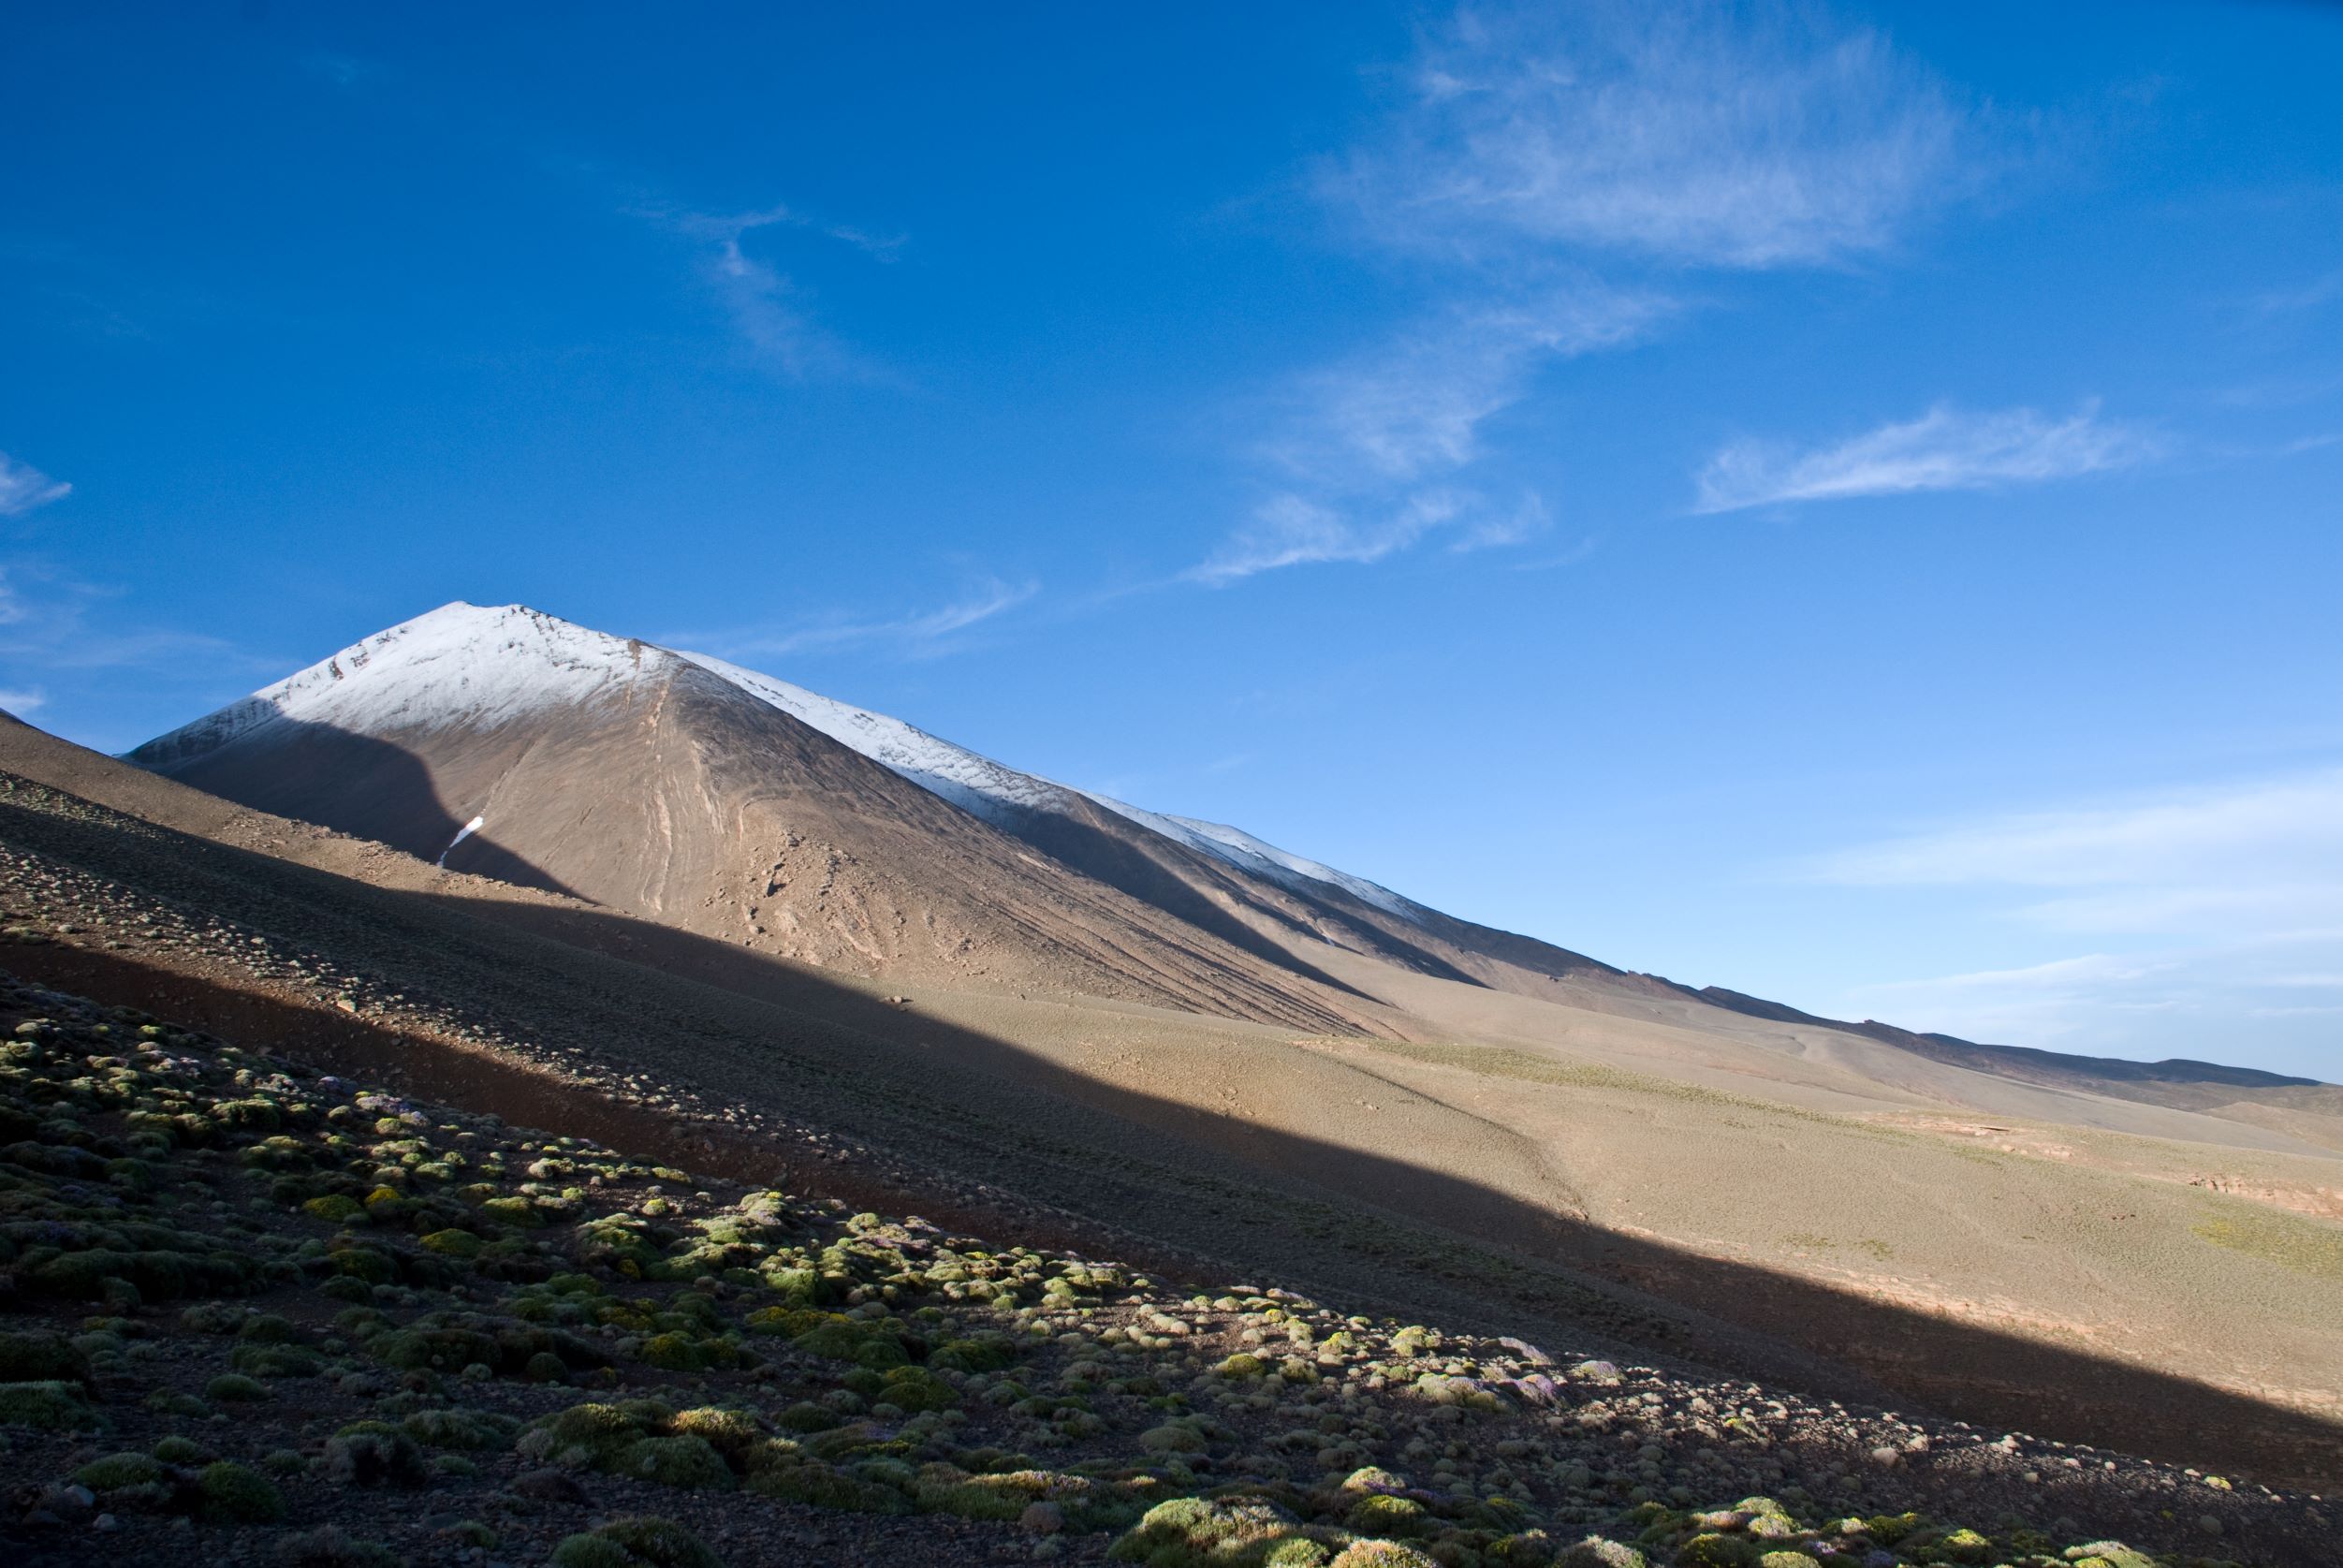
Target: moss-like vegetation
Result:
[[435, 1280], [234, 1495], [46, 1405], [636, 1543]]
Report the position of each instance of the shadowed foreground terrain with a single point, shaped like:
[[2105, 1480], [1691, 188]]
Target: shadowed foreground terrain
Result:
[[266, 1314], [776, 1072]]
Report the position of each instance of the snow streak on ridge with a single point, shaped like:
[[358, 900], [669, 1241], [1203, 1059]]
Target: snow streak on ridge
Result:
[[977, 785], [985, 788]]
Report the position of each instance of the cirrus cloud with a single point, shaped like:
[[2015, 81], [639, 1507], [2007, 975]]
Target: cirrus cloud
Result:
[[23, 488], [1548, 176], [1944, 448], [1709, 135]]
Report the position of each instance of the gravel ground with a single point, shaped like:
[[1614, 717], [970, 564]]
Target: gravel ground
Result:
[[273, 1316]]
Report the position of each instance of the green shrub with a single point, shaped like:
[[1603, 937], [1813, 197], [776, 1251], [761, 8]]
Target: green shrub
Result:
[[46, 1405], [1197, 1530], [1961, 1546], [422, 1349], [593, 1434], [1713, 1549], [1382, 1554], [332, 1546], [117, 1471], [731, 1432], [375, 1452], [234, 1389], [984, 1353], [1381, 1514], [819, 1485], [843, 1338], [913, 1390], [1597, 1552], [688, 1462], [460, 1428], [806, 1416], [637, 1543], [41, 1358], [592, 1551], [275, 1360], [673, 1353], [234, 1495]]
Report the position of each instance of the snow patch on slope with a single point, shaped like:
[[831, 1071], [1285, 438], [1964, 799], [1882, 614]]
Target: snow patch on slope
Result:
[[458, 665]]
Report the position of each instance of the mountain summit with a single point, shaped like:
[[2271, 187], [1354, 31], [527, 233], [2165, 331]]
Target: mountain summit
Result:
[[679, 789], [684, 789]]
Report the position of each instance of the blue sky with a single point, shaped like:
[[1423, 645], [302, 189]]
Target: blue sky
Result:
[[1839, 504]]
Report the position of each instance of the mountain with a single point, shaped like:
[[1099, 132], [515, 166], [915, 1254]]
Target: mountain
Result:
[[510, 743], [2179, 1082], [718, 801], [507, 742], [1786, 1187]]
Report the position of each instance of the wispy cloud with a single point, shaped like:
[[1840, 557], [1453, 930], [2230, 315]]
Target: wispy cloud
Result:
[[2314, 295], [1743, 136], [1365, 458], [59, 628], [2055, 975], [343, 70], [1549, 177], [922, 635], [22, 702], [2230, 897], [23, 487], [2215, 841], [767, 305], [1945, 449]]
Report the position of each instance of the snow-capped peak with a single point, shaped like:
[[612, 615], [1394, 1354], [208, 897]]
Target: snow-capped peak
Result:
[[479, 667], [458, 664]]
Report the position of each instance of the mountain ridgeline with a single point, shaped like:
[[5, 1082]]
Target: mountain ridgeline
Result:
[[686, 790]]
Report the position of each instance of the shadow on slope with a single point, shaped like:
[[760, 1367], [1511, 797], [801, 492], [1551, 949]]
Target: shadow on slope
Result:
[[375, 790], [1349, 1224], [1107, 851]]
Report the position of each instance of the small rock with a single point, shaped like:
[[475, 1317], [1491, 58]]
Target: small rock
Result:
[[2209, 1523], [1886, 1457], [1042, 1518]]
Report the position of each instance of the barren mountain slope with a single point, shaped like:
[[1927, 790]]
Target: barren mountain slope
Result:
[[517, 746], [1548, 1185], [712, 798], [2313, 1109], [1204, 871]]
